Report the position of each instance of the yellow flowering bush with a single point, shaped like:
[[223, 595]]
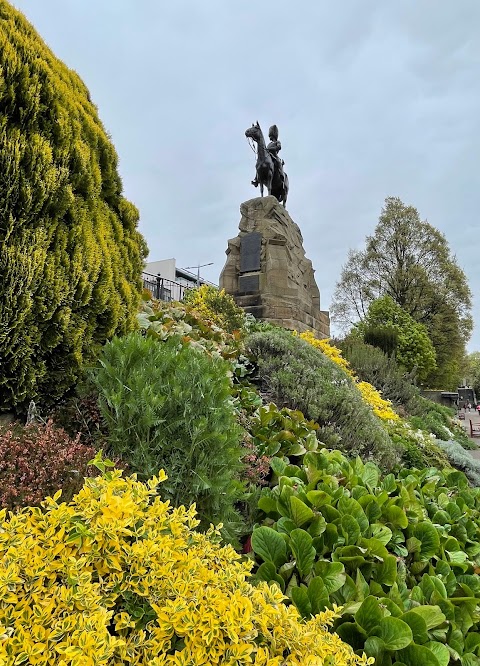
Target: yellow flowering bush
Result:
[[117, 576], [381, 407], [217, 306]]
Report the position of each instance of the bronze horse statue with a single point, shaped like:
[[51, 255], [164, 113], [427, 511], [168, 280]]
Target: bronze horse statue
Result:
[[269, 165]]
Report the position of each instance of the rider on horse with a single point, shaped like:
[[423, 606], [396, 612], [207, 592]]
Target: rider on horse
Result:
[[274, 147]]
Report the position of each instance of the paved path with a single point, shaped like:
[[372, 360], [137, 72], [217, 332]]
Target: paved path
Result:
[[474, 417]]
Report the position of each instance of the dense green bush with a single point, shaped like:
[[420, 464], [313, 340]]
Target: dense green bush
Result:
[[462, 460], [294, 374], [70, 253], [419, 447], [376, 367], [168, 405], [216, 305], [399, 553], [414, 349]]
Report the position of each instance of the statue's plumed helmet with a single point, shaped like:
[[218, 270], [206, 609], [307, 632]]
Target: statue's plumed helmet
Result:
[[273, 133]]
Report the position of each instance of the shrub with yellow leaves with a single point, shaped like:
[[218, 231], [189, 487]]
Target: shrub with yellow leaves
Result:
[[117, 576], [381, 407]]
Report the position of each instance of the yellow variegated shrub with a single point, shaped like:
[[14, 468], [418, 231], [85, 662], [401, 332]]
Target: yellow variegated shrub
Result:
[[381, 407], [118, 577]]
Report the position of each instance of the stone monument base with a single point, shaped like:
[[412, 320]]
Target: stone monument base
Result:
[[267, 272]]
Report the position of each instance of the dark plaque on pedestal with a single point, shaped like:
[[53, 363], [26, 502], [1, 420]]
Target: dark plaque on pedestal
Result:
[[250, 249], [248, 284]]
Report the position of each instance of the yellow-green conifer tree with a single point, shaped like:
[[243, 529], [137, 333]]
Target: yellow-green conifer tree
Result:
[[70, 253]]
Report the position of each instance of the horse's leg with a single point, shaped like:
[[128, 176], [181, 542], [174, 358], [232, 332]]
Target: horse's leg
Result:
[[269, 184], [261, 189]]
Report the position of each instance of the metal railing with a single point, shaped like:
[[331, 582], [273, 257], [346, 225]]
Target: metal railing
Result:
[[163, 289]]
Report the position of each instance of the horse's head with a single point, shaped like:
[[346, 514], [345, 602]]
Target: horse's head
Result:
[[254, 132]]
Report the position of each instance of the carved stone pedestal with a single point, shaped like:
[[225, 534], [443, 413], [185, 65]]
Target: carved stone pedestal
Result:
[[267, 272]]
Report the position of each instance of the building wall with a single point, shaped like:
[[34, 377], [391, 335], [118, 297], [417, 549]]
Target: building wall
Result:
[[165, 267]]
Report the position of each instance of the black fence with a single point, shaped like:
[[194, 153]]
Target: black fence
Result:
[[164, 290]]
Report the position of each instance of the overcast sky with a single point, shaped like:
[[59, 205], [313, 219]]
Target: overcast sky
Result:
[[372, 99]]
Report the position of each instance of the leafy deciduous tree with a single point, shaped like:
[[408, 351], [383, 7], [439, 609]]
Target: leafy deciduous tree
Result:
[[410, 261], [414, 349]]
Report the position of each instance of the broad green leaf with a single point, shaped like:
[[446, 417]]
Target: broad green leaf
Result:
[[350, 530], [369, 615], [349, 506], [432, 615], [300, 513], [428, 535], [418, 655], [269, 545], [394, 633], [375, 548], [440, 651], [351, 556], [278, 465], [472, 640], [389, 484], [374, 646], [418, 626], [318, 498], [456, 557], [268, 572], [386, 573], [303, 551], [268, 504], [470, 659], [453, 511], [332, 575], [300, 598], [457, 480], [396, 516], [317, 526], [441, 518], [431, 586], [286, 570], [285, 525], [413, 545], [392, 607], [362, 586], [381, 533], [318, 595], [347, 593], [370, 475], [350, 633]]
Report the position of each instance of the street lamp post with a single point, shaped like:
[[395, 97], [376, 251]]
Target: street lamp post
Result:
[[198, 267]]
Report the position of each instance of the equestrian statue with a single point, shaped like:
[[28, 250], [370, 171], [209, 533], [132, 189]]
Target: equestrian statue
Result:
[[269, 165]]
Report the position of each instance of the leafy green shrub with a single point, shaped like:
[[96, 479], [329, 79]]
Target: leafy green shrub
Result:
[[462, 460], [70, 253], [216, 305], [414, 349], [168, 405], [294, 374], [399, 553], [161, 321], [38, 460], [384, 338], [282, 432], [120, 577], [420, 448], [374, 366]]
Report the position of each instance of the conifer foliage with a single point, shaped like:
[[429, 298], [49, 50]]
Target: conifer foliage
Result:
[[70, 252]]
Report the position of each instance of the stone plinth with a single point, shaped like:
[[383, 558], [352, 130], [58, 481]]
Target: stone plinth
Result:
[[267, 272]]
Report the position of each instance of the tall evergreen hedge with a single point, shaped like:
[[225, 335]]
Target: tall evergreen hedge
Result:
[[70, 253]]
